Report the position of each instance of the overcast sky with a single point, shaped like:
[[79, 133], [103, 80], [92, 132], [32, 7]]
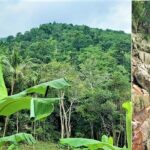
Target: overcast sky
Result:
[[22, 15]]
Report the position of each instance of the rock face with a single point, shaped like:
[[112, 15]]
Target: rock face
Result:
[[141, 92]]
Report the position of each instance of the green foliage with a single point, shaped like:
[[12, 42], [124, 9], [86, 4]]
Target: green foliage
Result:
[[78, 142], [95, 62], [140, 16], [3, 90], [107, 139], [39, 107], [106, 142], [14, 140], [10, 105], [138, 13], [41, 88], [128, 107]]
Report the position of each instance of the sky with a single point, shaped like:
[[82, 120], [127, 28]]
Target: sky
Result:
[[22, 15]]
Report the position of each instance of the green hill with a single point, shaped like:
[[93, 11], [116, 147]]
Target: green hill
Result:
[[96, 62]]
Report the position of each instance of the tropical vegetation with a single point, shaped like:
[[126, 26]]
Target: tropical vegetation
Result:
[[94, 62]]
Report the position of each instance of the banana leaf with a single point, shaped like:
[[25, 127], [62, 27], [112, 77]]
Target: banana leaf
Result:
[[104, 146], [14, 140], [128, 107], [41, 88], [78, 142], [107, 139], [89, 143], [39, 107], [3, 89]]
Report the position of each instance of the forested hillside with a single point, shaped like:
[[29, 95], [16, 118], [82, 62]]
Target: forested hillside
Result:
[[95, 62]]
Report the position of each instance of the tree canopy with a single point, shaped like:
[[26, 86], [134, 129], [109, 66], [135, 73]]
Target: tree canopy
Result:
[[95, 62]]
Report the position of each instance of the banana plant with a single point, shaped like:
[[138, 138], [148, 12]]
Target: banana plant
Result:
[[3, 90], [106, 143], [13, 141], [128, 107], [39, 107]]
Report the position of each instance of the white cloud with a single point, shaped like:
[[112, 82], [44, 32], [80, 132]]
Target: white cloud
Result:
[[21, 15], [118, 18]]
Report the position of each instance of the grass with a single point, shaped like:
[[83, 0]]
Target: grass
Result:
[[41, 146]]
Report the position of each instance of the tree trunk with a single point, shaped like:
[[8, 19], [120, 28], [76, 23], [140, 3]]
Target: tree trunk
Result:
[[7, 118], [61, 120], [114, 134], [17, 122], [5, 126], [61, 115], [64, 115], [17, 114], [104, 125], [12, 87], [34, 129], [118, 137], [69, 118], [92, 130]]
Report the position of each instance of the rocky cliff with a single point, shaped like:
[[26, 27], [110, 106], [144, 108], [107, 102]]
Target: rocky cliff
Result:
[[141, 92]]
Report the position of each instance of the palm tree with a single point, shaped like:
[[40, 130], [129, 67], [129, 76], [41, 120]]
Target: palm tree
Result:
[[18, 69]]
